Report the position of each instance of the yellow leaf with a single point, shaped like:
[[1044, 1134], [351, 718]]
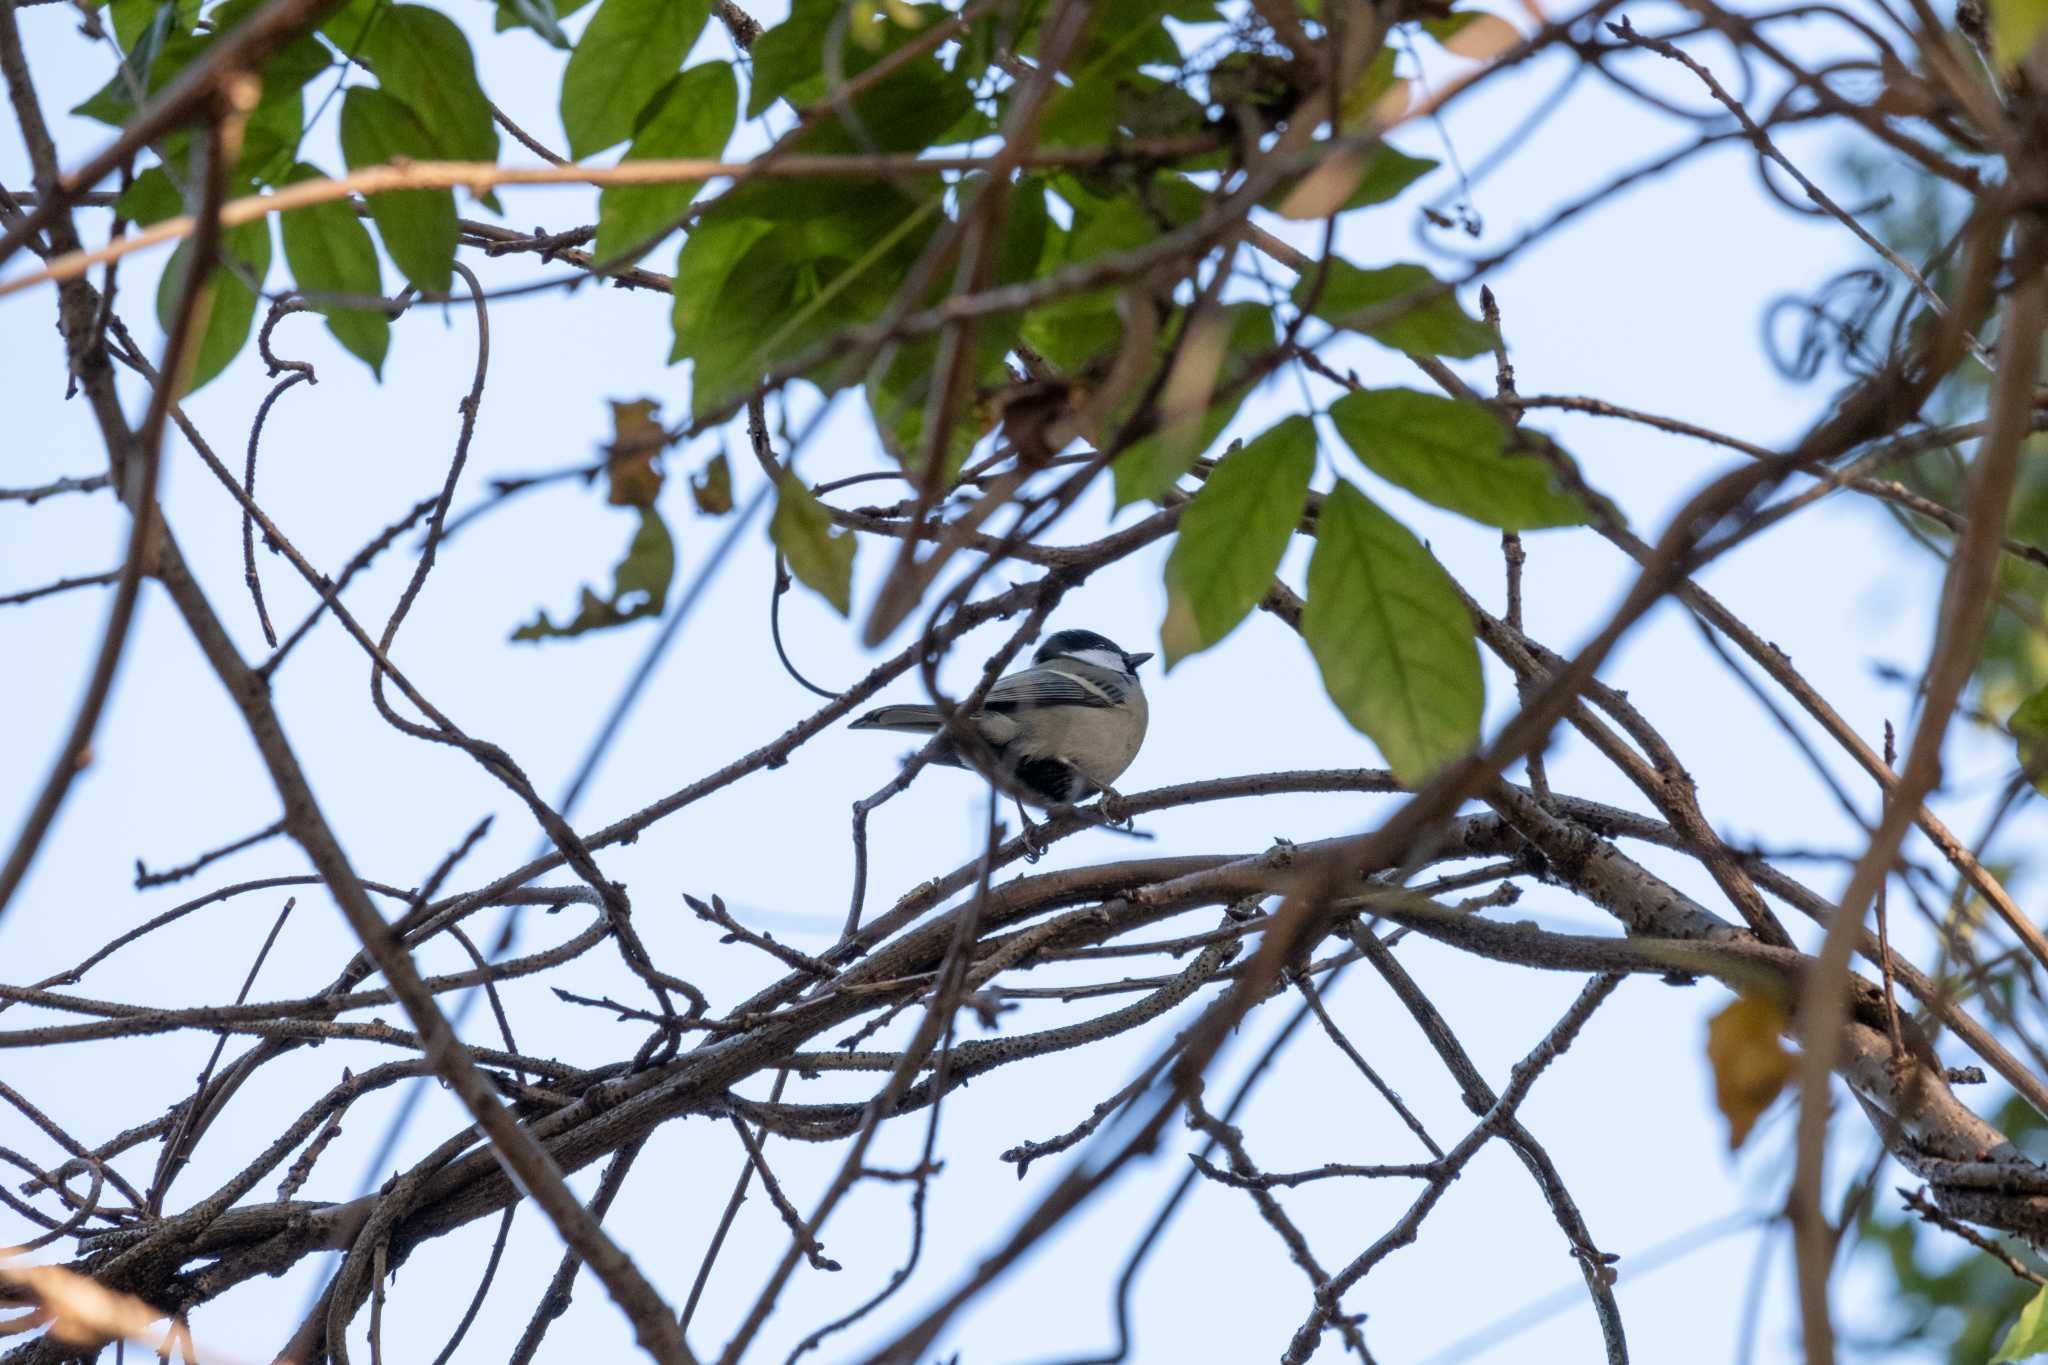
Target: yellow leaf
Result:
[[864, 26], [1750, 1062], [2016, 26]]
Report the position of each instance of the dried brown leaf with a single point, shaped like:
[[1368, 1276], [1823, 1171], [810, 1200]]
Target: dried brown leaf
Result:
[[712, 489], [637, 441]]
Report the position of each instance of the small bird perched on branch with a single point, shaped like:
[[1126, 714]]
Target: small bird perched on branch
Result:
[[1062, 729]]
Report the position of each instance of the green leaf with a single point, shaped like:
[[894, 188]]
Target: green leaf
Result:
[[789, 54], [1119, 225], [1079, 115], [1386, 174], [115, 101], [899, 395], [2028, 1336], [1390, 633], [349, 26], [693, 116], [133, 17], [1027, 227], [708, 256], [639, 587], [329, 250], [751, 297], [421, 58], [1450, 25], [1434, 325], [621, 62], [541, 16], [819, 555], [111, 104], [418, 226], [770, 305], [1390, 171], [2029, 727], [1090, 113], [179, 50], [270, 137], [1455, 455], [921, 105], [223, 323], [150, 199], [1371, 86], [1072, 330], [290, 67], [837, 214], [270, 140], [1154, 463], [915, 107], [1248, 79], [1122, 36], [1232, 537], [270, 143]]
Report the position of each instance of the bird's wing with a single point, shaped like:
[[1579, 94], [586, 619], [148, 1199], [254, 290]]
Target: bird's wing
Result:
[[1050, 686]]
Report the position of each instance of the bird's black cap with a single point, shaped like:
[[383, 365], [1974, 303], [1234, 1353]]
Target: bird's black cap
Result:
[[1067, 643]]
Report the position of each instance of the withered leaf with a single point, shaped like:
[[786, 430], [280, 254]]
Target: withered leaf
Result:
[[712, 488], [1751, 1064], [633, 477]]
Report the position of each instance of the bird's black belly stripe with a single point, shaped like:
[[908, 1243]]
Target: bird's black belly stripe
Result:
[[1053, 781]]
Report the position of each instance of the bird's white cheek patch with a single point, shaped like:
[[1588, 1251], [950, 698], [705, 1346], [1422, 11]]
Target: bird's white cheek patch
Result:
[[1102, 658]]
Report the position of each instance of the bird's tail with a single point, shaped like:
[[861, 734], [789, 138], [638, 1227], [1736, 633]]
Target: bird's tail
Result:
[[919, 720]]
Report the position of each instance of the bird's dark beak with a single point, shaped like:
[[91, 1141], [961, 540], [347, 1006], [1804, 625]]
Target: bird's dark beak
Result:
[[1132, 661]]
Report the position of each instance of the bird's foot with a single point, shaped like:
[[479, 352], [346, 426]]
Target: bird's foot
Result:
[[1115, 810], [1033, 834]]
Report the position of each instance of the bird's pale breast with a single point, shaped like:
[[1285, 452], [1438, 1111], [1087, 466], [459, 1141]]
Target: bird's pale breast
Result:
[[1100, 741]]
